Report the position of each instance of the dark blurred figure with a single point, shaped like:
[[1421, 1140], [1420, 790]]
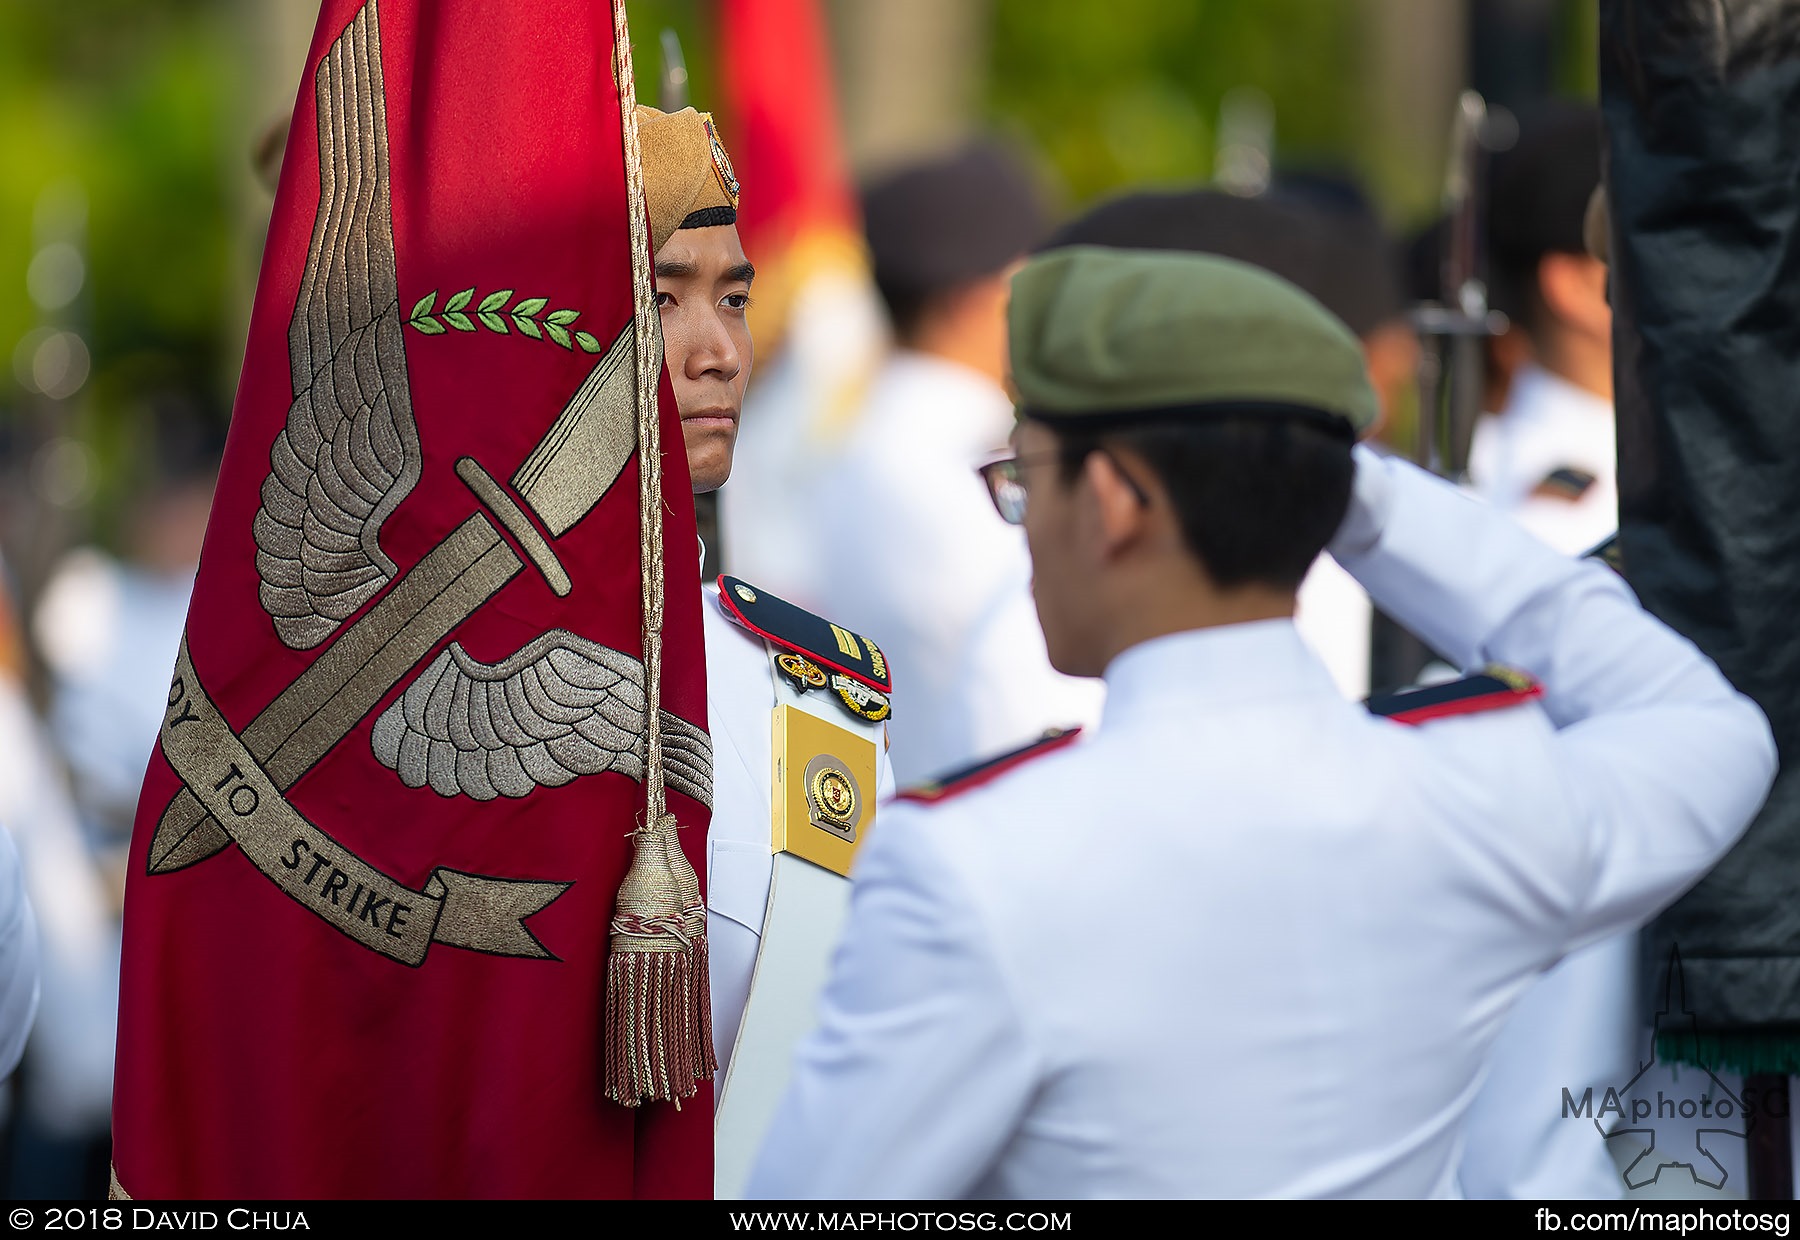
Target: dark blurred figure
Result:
[[1548, 455], [1321, 233], [1366, 288], [909, 545]]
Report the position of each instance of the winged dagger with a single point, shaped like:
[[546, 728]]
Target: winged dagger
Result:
[[559, 708]]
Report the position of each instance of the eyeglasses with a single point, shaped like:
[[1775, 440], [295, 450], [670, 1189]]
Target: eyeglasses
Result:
[[1004, 487], [1009, 493]]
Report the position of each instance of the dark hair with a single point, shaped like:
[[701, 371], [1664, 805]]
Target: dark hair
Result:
[[1537, 204], [1257, 498], [943, 223], [906, 307]]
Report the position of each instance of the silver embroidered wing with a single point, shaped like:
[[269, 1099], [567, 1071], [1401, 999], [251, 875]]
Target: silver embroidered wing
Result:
[[561, 707], [350, 451]]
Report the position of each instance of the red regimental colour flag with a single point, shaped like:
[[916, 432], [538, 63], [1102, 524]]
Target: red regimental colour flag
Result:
[[434, 675]]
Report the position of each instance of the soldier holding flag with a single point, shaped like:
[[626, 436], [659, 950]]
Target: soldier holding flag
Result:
[[442, 681], [414, 907]]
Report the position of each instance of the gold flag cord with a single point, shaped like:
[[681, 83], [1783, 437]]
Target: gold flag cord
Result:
[[658, 1033]]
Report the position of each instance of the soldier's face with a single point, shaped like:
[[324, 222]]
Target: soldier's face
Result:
[[702, 292]]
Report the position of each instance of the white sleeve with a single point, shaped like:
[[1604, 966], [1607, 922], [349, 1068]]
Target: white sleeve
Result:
[[1664, 763], [18, 959], [918, 1071]]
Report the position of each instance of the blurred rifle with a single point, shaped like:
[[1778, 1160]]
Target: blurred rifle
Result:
[[1453, 328]]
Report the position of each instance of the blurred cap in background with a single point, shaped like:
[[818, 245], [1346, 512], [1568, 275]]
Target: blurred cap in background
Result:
[[1321, 236], [936, 225]]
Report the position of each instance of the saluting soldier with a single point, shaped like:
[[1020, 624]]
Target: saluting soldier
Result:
[[1341, 257], [1045, 957], [769, 664]]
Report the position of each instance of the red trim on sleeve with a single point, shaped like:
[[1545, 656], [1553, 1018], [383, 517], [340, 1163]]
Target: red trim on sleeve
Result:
[[1467, 706], [926, 794]]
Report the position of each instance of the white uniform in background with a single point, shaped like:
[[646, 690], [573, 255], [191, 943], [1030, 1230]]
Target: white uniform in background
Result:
[[1240, 867], [1549, 426], [18, 959], [796, 413], [68, 1091], [740, 704], [109, 630], [1577, 1028], [912, 550]]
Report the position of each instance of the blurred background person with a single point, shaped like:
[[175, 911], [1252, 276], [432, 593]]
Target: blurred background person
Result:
[[62, 1095], [820, 330], [907, 543], [1549, 455], [107, 626]]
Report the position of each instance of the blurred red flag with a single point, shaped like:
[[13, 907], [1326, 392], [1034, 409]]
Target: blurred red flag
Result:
[[817, 318], [788, 145], [378, 847]]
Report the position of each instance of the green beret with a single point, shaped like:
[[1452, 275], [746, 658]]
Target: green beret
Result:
[[1101, 335]]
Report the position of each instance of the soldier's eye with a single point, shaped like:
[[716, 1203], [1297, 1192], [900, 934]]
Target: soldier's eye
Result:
[[664, 300], [738, 301]]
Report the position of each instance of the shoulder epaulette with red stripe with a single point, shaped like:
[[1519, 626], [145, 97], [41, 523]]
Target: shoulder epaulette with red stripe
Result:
[[796, 629], [1493, 689], [971, 777], [1610, 554]]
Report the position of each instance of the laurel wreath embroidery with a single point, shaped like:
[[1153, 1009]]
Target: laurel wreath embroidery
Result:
[[527, 316]]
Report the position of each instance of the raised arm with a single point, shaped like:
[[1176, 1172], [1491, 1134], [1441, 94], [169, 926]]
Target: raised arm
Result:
[[1665, 761]]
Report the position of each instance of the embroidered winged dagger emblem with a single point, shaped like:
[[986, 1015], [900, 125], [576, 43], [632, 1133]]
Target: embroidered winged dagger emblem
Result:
[[350, 450], [345, 458], [349, 453]]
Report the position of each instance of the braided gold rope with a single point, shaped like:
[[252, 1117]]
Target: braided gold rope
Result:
[[648, 333]]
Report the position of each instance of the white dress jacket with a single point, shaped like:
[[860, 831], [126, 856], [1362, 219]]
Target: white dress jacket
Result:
[[740, 706], [1332, 912]]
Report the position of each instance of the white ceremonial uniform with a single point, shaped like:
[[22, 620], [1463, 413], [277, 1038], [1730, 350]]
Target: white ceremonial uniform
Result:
[[740, 703], [68, 1091], [1550, 424], [913, 552], [19, 967], [1241, 867], [1577, 1028]]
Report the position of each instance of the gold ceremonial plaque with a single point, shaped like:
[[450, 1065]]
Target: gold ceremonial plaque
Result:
[[824, 789]]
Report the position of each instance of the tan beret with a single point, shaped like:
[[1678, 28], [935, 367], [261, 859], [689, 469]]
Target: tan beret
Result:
[[688, 181]]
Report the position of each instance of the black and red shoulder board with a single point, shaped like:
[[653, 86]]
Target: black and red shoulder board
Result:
[[1610, 554], [1493, 689], [797, 629], [970, 777]]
